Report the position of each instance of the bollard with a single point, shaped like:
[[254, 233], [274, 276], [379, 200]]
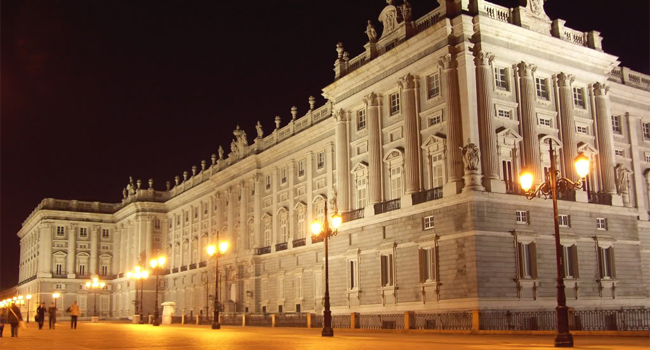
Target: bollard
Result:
[[243, 320], [309, 320], [354, 319], [409, 320], [273, 320], [475, 320], [182, 319]]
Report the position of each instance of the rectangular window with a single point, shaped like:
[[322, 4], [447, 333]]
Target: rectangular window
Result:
[[396, 182], [60, 231], [433, 85], [616, 124], [394, 103], [83, 232], [437, 119], [619, 152], [582, 130], [104, 270], [301, 168], [284, 231], [362, 197], [104, 302], [522, 217], [606, 262], [570, 261], [601, 224], [507, 170], [82, 269], [106, 233], [501, 78], [300, 229], [504, 113], [267, 234], [283, 175], [427, 261], [352, 282], [387, 270], [361, 119], [564, 220], [437, 170], [268, 182], [541, 86], [527, 260], [320, 160], [427, 222], [105, 247], [59, 269], [544, 122], [646, 131], [579, 97]]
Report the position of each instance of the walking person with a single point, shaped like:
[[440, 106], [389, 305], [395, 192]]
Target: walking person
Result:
[[74, 314], [52, 314], [2, 320], [40, 315], [14, 318]]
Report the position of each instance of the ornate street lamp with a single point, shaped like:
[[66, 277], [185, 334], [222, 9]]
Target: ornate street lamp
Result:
[[323, 230], [138, 275], [95, 285], [549, 188], [156, 265], [212, 251], [28, 297]]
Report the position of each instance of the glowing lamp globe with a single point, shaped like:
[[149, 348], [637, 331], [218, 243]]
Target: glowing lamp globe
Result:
[[526, 180], [582, 165], [223, 247], [316, 228], [336, 221], [211, 250]]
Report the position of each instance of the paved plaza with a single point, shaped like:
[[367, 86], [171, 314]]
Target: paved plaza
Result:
[[129, 336]]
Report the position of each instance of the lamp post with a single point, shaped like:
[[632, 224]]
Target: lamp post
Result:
[[143, 276], [95, 285], [324, 231], [212, 251], [549, 188], [28, 297], [131, 275], [156, 265]]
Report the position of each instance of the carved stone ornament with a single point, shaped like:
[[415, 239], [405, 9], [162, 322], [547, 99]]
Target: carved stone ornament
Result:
[[622, 179], [221, 152], [600, 89], [445, 61], [370, 99], [388, 17], [536, 6], [333, 196], [407, 11], [406, 82], [564, 79], [482, 58], [260, 132], [526, 69], [371, 32], [340, 115], [470, 155]]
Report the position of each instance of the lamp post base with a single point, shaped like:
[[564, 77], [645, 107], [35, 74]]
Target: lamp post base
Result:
[[564, 340], [155, 323], [94, 319], [216, 325], [327, 332], [141, 321]]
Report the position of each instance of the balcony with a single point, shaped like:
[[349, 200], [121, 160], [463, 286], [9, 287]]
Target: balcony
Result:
[[192, 266], [388, 206], [263, 250], [61, 275], [175, 270], [600, 198], [353, 215], [281, 246], [203, 264], [183, 268], [427, 195], [298, 242], [567, 196]]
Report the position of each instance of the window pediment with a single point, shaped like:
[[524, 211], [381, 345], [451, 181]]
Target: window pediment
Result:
[[587, 149], [508, 137], [543, 141], [360, 168], [435, 143], [394, 155]]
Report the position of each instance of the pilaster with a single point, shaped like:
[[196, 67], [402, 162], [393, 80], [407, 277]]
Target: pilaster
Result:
[[454, 126], [94, 231], [72, 250], [342, 160], [569, 144], [411, 147], [605, 139], [531, 150], [374, 149]]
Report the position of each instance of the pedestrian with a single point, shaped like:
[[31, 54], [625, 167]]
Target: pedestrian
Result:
[[2, 320], [14, 318], [52, 313], [74, 313], [40, 315]]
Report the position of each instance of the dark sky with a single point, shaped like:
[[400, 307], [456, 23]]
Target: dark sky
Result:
[[96, 91]]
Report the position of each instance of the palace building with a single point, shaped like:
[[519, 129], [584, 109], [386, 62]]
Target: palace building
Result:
[[419, 147]]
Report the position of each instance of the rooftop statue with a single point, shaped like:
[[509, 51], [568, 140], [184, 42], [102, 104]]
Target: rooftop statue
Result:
[[407, 11], [371, 32], [388, 17], [260, 132], [220, 152]]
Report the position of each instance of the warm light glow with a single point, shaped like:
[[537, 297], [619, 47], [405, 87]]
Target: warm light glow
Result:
[[526, 180], [153, 263], [87, 284], [161, 261], [316, 228], [145, 274], [20, 297], [56, 295], [15, 298], [137, 269], [336, 220], [223, 246], [29, 296], [95, 280], [582, 165], [137, 275], [211, 249], [102, 284]]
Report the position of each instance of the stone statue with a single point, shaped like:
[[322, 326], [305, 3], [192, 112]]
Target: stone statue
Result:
[[371, 32], [333, 204], [407, 11], [470, 156], [234, 151], [622, 179], [130, 187], [220, 152], [260, 132], [124, 193], [388, 17], [240, 136]]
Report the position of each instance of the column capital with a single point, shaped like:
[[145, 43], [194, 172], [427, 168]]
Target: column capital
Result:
[[340, 115], [600, 89], [406, 82], [371, 100], [482, 58], [564, 79], [446, 61], [526, 69]]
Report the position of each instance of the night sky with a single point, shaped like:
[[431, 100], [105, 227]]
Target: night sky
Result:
[[96, 91]]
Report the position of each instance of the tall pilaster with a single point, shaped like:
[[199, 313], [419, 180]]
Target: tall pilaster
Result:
[[243, 206], [117, 250], [94, 232], [292, 181], [454, 126], [411, 147], [230, 197], [569, 144], [274, 227], [310, 189], [257, 207], [221, 206], [487, 136], [374, 149], [605, 139], [148, 240], [342, 160], [72, 251], [45, 256], [531, 151]]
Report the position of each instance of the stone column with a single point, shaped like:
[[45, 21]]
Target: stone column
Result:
[[374, 149], [531, 149], [291, 218], [230, 197], [117, 251], [569, 144], [45, 256], [219, 197], [94, 231], [72, 251], [605, 139], [274, 217], [243, 206], [487, 136], [257, 206], [454, 126], [342, 160], [411, 147], [309, 163]]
